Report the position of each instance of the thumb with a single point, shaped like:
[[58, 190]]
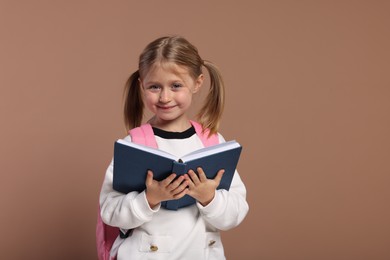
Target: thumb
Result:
[[149, 178], [218, 178]]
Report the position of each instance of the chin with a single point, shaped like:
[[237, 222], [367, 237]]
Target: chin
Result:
[[167, 118]]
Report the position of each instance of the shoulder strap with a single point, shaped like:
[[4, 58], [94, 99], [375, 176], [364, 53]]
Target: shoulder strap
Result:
[[204, 135], [105, 237], [143, 135]]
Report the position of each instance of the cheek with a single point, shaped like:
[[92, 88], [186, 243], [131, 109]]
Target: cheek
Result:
[[185, 99], [149, 99], [150, 96]]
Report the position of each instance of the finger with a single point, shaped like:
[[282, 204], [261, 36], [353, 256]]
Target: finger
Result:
[[190, 184], [218, 178], [194, 177], [149, 178], [168, 179], [181, 187], [181, 194], [176, 183], [201, 174]]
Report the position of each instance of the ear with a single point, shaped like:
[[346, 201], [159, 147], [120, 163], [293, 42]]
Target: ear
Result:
[[198, 83]]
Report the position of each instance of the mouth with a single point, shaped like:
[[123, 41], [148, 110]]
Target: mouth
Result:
[[165, 107]]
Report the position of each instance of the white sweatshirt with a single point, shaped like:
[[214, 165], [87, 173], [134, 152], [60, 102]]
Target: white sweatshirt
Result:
[[188, 233]]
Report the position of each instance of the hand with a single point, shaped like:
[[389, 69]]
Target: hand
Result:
[[167, 189], [201, 188]]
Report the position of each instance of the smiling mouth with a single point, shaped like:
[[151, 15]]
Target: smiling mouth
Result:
[[165, 107]]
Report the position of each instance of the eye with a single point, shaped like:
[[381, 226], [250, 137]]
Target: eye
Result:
[[154, 88], [176, 86]]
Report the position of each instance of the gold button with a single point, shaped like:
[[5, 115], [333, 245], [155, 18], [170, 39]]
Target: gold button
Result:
[[212, 242], [153, 248]]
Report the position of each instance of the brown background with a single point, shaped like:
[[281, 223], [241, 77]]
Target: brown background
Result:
[[308, 92]]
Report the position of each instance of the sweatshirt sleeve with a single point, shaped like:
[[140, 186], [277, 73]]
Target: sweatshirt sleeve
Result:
[[126, 211], [228, 208]]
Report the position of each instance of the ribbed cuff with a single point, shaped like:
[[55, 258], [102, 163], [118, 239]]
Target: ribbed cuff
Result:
[[214, 208], [142, 208]]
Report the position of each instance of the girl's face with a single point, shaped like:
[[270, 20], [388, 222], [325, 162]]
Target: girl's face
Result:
[[168, 90]]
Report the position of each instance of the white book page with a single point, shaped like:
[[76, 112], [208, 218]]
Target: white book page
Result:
[[210, 150], [148, 149]]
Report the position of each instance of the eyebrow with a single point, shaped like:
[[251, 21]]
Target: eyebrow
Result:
[[152, 82]]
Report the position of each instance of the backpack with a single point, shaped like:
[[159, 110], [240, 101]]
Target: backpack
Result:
[[105, 234]]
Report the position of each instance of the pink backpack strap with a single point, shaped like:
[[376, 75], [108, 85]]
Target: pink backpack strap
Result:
[[204, 135], [143, 135], [105, 237]]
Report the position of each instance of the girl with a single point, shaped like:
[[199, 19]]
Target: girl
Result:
[[169, 74]]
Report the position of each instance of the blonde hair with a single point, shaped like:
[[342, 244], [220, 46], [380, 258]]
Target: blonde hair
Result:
[[178, 50]]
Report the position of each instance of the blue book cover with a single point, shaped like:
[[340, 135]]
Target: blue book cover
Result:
[[132, 161]]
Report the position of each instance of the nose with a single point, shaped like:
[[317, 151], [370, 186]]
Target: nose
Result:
[[165, 96]]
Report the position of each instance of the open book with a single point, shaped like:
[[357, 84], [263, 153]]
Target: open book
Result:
[[132, 161]]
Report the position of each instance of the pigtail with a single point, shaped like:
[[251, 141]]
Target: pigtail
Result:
[[211, 113], [134, 106]]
